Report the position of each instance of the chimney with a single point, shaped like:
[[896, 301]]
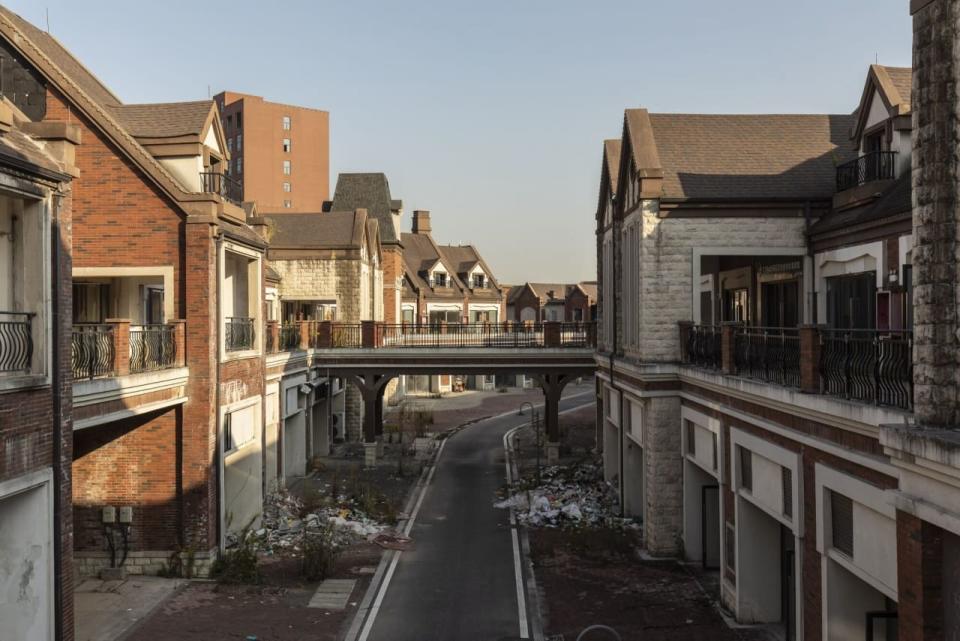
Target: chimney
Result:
[[421, 221]]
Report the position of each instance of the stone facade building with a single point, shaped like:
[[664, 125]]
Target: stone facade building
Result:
[[756, 396]]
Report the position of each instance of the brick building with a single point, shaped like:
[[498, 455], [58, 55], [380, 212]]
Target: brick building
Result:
[[166, 347], [328, 268], [552, 302], [279, 154], [36, 444], [756, 387]]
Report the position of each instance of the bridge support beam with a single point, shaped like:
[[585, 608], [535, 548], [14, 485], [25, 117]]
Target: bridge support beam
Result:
[[371, 387], [553, 385]]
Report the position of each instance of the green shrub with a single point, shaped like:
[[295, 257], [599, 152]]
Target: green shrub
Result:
[[238, 565], [319, 553]]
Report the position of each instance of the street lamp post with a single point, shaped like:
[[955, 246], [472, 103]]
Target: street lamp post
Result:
[[535, 420]]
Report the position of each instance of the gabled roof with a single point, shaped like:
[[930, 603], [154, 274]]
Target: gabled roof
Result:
[[89, 96], [420, 255], [165, 119], [894, 85], [609, 172], [369, 191], [330, 230], [737, 157], [897, 200], [553, 292], [465, 258]]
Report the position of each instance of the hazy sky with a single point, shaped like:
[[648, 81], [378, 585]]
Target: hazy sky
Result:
[[490, 114]]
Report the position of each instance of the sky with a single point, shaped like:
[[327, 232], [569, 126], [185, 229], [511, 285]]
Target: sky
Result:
[[489, 114]]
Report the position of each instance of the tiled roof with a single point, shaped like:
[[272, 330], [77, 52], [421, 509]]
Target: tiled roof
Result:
[[367, 191], [331, 230], [902, 79], [19, 147], [590, 287], [724, 157], [611, 156], [164, 120], [896, 200], [559, 291]]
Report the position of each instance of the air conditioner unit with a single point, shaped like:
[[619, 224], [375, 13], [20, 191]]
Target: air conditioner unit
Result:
[[338, 426]]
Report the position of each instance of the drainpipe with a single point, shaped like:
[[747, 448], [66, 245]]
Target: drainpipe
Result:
[[616, 335], [218, 243], [56, 380]]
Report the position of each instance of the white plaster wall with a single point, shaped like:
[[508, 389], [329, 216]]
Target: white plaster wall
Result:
[[848, 599], [272, 434], [877, 113], [186, 169], [26, 562], [758, 563], [243, 470]]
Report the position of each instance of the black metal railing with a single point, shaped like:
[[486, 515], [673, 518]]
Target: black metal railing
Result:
[[152, 347], [453, 335], [223, 185], [876, 165], [873, 366], [347, 335], [770, 354], [16, 342], [289, 336], [92, 351], [704, 346], [577, 334], [239, 334]]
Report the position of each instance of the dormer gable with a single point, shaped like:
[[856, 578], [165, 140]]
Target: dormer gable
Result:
[[640, 174], [884, 103], [609, 172]]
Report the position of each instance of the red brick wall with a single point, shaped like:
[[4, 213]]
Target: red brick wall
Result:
[[919, 579], [392, 270], [132, 462], [525, 299], [576, 300]]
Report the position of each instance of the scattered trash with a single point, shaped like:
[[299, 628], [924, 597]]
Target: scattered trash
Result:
[[568, 496], [393, 541]]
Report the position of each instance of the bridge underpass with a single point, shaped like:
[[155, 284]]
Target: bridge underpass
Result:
[[383, 353]]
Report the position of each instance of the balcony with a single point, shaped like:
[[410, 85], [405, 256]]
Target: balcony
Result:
[[871, 167], [222, 185], [121, 370], [867, 366], [16, 343], [239, 334]]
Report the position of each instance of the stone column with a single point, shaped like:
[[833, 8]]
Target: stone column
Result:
[[273, 336], [936, 213]]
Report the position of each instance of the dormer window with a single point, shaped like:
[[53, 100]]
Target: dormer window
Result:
[[479, 281], [439, 279]]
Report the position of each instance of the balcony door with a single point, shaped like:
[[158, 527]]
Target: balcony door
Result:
[[91, 302], [780, 304], [736, 305], [852, 301]]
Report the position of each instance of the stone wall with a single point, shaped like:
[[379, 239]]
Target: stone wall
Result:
[[663, 476], [323, 279]]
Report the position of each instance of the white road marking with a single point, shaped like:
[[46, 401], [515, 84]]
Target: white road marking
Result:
[[521, 594]]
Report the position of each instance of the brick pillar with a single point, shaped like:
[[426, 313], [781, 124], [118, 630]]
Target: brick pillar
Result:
[[727, 361], [324, 335], [273, 335], [305, 327], [591, 334], [920, 579], [551, 334], [179, 342], [121, 345], [810, 359], [368, 334], [685, 328], [936, 212]]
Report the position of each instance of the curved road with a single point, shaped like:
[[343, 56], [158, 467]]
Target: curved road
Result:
[[458, 582]]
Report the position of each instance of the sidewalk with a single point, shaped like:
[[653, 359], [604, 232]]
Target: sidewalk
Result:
[[105, 610]]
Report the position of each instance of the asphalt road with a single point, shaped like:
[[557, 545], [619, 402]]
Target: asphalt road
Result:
[[458, 582]]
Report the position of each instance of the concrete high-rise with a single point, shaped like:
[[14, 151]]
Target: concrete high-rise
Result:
[[280, 154]]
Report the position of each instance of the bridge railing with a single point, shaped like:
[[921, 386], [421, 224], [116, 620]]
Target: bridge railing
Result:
[[504, 335]]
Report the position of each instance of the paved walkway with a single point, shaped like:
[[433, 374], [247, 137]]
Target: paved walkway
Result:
[[458, 582], [104, 610]]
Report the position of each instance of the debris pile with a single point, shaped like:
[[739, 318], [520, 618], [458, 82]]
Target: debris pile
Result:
[[285, 524], [568, 496]]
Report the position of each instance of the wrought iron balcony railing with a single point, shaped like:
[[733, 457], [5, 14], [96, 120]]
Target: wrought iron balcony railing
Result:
[[873, 366], [769, 354], [239, 333], [16, 342], [152, 347], [876, 165], [92, 351], [703, 346], [222, 185], [289, 336]]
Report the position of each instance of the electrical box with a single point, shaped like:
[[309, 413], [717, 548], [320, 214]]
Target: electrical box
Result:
[[126, 515], [109, 514]]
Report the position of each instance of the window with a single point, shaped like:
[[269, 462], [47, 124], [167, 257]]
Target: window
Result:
[[746, 469], [286, 168], [479, 281], [239, 120], [286, 187], [407, 315], [439, 279], [239, 142], [851, 301], [91, 302], [230, 145], [286, 123], [287, 204], [286, 145], [229, 122], [841, 520], [239, 165]]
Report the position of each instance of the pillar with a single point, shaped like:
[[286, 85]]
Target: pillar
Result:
[[371, 388], [179, 342], [810, 359], [121, 345], [552, 385]]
